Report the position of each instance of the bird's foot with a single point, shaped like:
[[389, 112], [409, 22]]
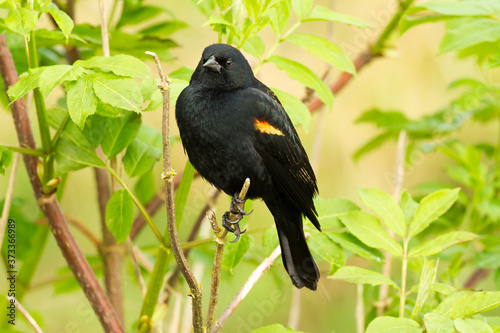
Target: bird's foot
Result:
[[233, 226], [237, 205]]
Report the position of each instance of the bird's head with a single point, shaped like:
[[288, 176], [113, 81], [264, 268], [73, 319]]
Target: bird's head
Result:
[[223, 67]]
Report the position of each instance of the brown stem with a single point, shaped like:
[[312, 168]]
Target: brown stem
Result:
[[477, 276], [363, 60], [168, 175], [50, 206], [111, 253]]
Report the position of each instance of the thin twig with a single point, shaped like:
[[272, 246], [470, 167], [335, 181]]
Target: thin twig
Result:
[[360, 309], [399, 170], [477, 276], [104, 29], [50, 206], [135, 265], [168, 175], [8, 197], [25, 314], [252, 280]]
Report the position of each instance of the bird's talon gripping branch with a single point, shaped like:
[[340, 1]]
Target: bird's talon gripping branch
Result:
[[237, 205]]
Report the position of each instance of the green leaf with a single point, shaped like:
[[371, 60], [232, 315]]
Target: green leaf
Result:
[[364, 276], [81, 100], [27, 81], [53, 76], [120, 133], [441, 243], [474, 303], [369, 230], [322, 245], [21, 20], [431, 207], [435, 323], [393, 325], [304, 75], [372, 144], [458, 8], [275, 328], [444, 308], [144, 189], [138, 15], [121, 64], [234, 252], [409, 206], [95, 129], [164, 29], [120, 215], [386, 208], [140, 158], [469, 325], [354, 245], [254, 46], [123, 93], [280, 16], [5, 159], [325, 50], [442, 288], [182, 193], [329, 210], [74, 151], [301, 7], [296, 110], [409, 22], [320, 13], [427, 278], [63, 21], [270, 240], [461, 33]]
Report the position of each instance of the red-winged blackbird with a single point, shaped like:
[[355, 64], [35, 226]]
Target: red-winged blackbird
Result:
[[234, 127]]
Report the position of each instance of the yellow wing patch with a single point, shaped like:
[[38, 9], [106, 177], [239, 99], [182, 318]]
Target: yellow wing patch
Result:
[[264, 127]]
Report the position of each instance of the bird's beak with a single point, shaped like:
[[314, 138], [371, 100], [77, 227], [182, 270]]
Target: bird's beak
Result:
[[212, 64]]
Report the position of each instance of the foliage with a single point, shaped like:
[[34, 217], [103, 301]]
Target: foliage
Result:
[[436, 232]]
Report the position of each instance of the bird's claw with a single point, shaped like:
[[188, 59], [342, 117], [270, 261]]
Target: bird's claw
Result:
[[233, 226], [237, 205]]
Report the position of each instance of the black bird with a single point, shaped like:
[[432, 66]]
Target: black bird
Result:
[[233, 127]]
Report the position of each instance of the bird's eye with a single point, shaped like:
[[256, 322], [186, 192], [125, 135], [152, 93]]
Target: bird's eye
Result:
[[229, 63]]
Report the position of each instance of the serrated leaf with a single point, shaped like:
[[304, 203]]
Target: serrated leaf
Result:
[[369, 230], [325, 50], [329, 211], [74, 151], [95, 129], [364, 276], [462, 33], [27, 82], [81, 100], [441, 243], [123, 93], [296, 110], [386, 208], [427, 278], [304, 75], [120, 215], [474, 303], [435, 323], [21, 20], [354, 245], [301, 7], [409, 206], [469, 325], [321, 13], [322, 245], [63, 21], [393, 325], [121, 64], [53, 76], [431, 207], [279, 17], [120, 133], [234, 252]]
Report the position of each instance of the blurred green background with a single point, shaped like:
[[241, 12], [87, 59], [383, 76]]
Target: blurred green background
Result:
[[412, 78]]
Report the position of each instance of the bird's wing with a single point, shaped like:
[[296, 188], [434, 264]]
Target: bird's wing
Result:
[[281, 150]]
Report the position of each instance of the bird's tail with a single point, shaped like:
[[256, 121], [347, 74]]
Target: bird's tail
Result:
[[295, 253]]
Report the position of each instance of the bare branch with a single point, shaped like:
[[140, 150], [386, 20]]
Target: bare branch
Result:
[[25, 314], [252, 280]]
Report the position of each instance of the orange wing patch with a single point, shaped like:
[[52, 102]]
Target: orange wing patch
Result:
[[264, 127]]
